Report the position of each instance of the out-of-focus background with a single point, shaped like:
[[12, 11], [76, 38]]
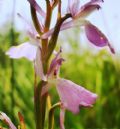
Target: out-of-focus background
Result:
[[95, 69]]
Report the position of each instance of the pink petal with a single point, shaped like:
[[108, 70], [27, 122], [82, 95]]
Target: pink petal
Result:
[[28, 26], [37, 7], [26, 50], [73, 6], [96, 37], [47, 34], [62, 116], [72, 95], [39, 66], [73, 23], [66, 25], [86, 10], [5, 118], [55, 64]]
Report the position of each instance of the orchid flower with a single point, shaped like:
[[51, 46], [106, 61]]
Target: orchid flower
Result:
[[30, 49], [94, 35], [72, 96], [31, 52]]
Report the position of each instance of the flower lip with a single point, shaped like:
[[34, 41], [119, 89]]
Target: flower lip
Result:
[[23, 50], [96, 37], [73, 96]]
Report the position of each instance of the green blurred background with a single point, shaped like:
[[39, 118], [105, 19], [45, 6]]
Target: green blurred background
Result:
[[97, 71]]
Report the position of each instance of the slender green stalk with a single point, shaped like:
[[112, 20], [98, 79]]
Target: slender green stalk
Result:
[[51, 115], [54, 37], [35, 20], [48, 16], [43, 105], [38, 105], [45, 41]]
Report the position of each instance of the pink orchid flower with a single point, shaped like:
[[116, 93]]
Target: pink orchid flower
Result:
[[72, 96], [30, 50], [94, 35]]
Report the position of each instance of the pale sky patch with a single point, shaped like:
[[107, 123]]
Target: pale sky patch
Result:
[[107, 19]]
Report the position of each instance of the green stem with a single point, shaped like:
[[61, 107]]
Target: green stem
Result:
[[59, 9], [54, 37], [51, 115], [40, 105], [43, 106], [48, 16], [45, 41], [37, 93], [35, 20]]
